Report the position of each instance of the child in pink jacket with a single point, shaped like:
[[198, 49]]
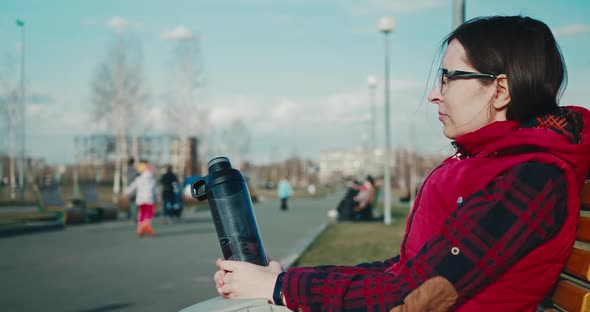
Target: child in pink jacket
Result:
[[144, 187]]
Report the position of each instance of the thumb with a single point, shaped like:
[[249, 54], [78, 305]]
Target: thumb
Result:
[[275, 267]]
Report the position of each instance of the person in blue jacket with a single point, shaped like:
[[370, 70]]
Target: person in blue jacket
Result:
[[284, 191]]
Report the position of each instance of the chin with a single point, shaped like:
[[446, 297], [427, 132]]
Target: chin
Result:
[[449, 134]]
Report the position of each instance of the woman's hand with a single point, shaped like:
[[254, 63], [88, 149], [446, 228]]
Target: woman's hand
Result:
[[239, 279]]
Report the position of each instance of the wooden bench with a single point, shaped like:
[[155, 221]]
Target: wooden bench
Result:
[[106, 211], [572, 291], [49, 199], [23, 222]]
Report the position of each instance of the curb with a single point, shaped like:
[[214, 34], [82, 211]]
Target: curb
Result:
[[288, 261], [31, 228]]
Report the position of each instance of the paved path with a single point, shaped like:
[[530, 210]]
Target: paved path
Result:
[[105, 267]]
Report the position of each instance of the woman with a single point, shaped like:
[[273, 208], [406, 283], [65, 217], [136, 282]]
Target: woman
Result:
[[363, 210], [492, 225]]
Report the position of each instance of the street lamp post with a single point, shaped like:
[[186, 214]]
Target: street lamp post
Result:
[[458, 13], [372, 82], [21, 171], [386, 26]]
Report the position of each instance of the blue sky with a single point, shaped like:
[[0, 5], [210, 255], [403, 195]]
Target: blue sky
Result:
[[294, 70]]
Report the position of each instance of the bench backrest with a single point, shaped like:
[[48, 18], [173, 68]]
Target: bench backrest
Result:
[[572, 292], [89, 193], [49, 196]]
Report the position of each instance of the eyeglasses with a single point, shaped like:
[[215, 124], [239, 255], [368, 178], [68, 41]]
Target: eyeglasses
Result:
[[451, 74]]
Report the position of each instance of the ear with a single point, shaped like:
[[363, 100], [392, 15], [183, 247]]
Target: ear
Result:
[[502, 96]]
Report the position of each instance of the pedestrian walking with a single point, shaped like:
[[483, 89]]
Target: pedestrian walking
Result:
[[144, 188], [171, 205], [284, 191]]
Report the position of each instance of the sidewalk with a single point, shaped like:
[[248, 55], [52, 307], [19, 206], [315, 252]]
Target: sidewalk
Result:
[[97, 266]]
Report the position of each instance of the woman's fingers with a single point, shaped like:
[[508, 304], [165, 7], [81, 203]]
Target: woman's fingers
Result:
[[239, 279], [226, 290], [218, 278], [219, 282], [227, 278], [222, 294], [229, 265]]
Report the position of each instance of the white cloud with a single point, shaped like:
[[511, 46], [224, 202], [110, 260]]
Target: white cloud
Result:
[[178, 33], [283, 111], [339, 120], [572, 30], [221, 115], [35, 110], [283, 18], [394, 6], [155, 119], [117, 24]]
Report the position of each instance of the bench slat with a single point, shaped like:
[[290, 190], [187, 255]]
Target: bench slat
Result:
[[585, 196], [578, 264], [583, 231], [572, 292], [571, 297]]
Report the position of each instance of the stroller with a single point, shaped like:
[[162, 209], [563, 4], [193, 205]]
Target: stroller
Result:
[[347, 204], [175, 206]]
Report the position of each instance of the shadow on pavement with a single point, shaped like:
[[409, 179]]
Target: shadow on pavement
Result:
[[162, 233], [196, 220], [108, 307]]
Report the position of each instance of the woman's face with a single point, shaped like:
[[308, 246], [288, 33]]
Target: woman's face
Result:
[[464, 105]]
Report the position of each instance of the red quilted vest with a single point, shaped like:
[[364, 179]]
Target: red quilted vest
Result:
[[481, 156]]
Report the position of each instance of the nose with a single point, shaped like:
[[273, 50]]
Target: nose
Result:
[[435, 96]]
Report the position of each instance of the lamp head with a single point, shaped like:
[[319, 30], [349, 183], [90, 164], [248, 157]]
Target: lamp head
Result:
[[372, 81], [386, 24]]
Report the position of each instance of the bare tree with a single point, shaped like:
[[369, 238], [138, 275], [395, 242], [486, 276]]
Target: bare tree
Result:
[[118, 94], [237, 139], [183, 112], [10, 117]]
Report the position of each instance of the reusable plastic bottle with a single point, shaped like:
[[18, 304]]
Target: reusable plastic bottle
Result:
[[232, 210]]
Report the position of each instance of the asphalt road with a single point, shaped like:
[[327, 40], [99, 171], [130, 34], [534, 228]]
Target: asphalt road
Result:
[[106, 267]]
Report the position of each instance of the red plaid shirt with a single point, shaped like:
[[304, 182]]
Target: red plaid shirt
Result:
[[494, 228]]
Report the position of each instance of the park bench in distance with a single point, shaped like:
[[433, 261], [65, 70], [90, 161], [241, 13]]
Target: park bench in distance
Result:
[[572, 291], [105, 211], [49, 199], [23, 222]]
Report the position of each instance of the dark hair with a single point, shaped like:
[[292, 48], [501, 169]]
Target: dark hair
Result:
[[131, 161], [371, 180], [523, 49]]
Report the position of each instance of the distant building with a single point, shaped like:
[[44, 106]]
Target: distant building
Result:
[[95, 154], [300, 172], [407, 167], [357, 162]]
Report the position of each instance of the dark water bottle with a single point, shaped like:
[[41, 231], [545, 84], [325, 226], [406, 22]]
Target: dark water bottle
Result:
[[232, 211]]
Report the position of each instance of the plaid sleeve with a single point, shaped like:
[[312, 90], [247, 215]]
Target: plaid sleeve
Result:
[[363, 268], [486, 235]]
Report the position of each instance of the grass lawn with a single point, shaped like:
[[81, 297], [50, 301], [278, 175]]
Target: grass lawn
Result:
[[347, 243]]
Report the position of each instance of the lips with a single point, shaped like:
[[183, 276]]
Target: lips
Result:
[[441, 116]]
